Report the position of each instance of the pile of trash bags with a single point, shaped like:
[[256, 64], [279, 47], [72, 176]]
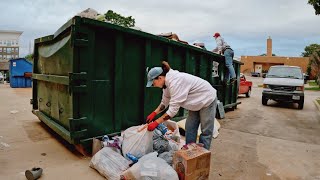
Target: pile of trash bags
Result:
[[139, 153]]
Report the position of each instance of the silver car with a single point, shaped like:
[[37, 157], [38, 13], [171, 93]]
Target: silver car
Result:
[[284, 83], [1, 78]]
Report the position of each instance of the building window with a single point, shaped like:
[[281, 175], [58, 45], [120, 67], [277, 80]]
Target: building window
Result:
[[8, 50], [17, 49], [0, 49]]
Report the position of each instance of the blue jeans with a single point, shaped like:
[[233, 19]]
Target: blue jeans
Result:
[[205, 117], [228, 54]]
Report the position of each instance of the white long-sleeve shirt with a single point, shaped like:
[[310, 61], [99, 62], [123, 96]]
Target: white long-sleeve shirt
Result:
[[221, 44], [187, 91]]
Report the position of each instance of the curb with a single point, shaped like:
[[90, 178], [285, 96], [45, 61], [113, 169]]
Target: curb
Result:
[[316, 103]]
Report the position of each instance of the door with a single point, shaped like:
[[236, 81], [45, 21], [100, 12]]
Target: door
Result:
[[258, 68]]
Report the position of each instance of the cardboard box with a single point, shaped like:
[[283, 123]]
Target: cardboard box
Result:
[[193, 163]]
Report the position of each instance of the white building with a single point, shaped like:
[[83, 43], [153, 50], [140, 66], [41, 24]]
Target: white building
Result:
[[9, 47], [9, 44]]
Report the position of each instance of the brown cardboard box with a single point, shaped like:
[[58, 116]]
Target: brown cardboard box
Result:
[[192, 164]]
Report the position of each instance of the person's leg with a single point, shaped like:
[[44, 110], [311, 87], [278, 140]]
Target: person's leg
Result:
[[228, 54], [192, 125], [207, 116]]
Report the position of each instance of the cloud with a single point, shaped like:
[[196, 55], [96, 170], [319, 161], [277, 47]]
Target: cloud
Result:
[[245, 24]]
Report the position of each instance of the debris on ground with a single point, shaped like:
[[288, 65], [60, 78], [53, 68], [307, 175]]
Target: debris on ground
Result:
[[136, 142], [5, 144], [140, 149], [109, 163], [34, 173], [150, 167], [192, 162], [14, 111]]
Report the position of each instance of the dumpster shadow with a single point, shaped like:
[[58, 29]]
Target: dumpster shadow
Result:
[[35, 132], [39, 131]]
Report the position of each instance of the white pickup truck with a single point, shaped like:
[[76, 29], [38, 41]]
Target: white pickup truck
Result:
[[284, 83]]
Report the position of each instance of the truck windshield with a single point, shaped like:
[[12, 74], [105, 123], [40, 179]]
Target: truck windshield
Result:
[[285, 72]]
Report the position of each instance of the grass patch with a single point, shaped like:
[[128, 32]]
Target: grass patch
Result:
[[318, 101], [313, 84], [315, 88]]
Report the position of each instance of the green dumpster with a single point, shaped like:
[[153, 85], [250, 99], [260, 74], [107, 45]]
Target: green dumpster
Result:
[[89, 77]]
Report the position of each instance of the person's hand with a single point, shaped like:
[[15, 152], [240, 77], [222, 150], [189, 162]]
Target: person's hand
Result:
[[152, 126], [151, 117]]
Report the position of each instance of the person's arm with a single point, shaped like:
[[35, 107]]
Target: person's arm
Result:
[[179, 94], [160, 120], [163, 105]]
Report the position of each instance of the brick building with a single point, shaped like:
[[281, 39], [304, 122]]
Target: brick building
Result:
[[261, 64]]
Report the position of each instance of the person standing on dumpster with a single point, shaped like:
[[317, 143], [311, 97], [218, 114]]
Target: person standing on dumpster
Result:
[[224, 49], [190, 92]]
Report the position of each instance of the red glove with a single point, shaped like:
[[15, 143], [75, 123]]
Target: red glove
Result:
[[152, 126], [151, 117]]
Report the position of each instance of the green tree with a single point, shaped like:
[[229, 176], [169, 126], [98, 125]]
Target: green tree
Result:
[[315, 64], [316, 5], [29, 57], [117, 19], [308, 50], [264, 54]]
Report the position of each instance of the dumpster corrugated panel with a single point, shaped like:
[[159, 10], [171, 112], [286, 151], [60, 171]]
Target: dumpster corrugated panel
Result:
[[89, 78], [20, 82], [17, 68]]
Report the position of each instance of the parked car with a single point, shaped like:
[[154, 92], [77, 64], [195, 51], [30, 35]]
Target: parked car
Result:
[[255, 74], [284, 84], [245, 86], [1, 78]]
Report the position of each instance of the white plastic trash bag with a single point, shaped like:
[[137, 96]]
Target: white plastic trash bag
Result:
[[109, 163], [151, 167], [137, 141], [174, 128], [216, 128]]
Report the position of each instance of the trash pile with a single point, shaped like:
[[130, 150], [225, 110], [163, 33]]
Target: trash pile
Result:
[[172, 36], [141, 154]]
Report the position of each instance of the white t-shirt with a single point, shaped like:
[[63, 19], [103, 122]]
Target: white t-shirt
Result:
[[187, 91]]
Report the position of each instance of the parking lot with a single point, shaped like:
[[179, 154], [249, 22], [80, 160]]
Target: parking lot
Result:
[[277, 141]]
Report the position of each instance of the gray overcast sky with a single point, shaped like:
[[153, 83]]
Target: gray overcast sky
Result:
[[245, 24]]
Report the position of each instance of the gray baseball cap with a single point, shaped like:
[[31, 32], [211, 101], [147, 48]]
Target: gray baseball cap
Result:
[[152, 74]]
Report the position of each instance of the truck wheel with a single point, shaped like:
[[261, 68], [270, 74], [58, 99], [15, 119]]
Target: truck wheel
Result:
[[248, 94], [264, 101], [300, 103]]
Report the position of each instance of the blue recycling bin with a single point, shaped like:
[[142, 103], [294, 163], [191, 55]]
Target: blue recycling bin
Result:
[[20, 73]]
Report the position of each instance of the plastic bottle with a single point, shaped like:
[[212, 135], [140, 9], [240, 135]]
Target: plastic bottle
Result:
[[163, 128], [132, 157], [105, 138]]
